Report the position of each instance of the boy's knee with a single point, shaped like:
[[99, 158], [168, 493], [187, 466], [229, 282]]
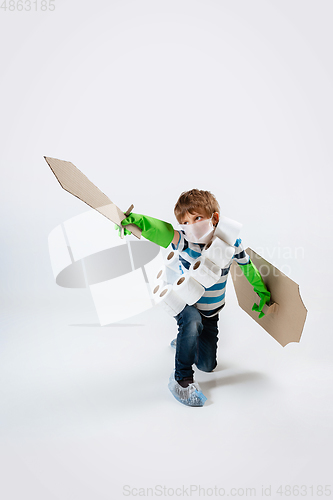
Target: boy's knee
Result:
[[192, 320], [195, 328], [207, 366], [192, 328]]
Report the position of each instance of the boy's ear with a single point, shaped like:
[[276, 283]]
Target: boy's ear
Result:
[[216, 218]]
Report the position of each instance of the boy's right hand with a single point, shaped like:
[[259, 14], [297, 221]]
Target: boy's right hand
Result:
[[154, 230], [118, 228]]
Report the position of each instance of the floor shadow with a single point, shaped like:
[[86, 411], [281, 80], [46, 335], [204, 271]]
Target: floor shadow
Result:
[[238, 378], [221, 368]]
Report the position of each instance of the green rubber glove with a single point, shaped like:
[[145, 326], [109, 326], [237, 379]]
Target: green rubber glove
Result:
[[253, 276], [118, 228], [154, 230]]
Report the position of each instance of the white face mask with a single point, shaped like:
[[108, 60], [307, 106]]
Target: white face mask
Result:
[[199, 232]]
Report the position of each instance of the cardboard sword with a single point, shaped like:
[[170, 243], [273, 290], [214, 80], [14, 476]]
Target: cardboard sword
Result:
[[75, 182]]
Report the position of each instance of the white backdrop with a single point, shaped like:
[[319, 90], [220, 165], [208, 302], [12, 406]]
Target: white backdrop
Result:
[[150, 98]]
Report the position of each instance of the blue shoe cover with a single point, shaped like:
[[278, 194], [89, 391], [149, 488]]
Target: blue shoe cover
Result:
[[189, 396], [173, 343]]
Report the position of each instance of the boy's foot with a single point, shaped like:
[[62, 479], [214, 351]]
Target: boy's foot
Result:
[[189, 396], [173, 343]]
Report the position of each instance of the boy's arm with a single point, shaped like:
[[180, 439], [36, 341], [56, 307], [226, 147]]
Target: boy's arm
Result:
[[252, 275], [175, 238], [155, 230]]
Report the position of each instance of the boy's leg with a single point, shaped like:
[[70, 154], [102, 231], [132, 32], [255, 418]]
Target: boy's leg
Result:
[[181, 384], [207, 344], [190, 326]]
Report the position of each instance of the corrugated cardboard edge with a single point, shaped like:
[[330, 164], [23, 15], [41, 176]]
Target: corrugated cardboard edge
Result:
[[285, 318]]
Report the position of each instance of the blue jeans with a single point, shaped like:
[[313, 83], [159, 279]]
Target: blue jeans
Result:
[[196, 342]]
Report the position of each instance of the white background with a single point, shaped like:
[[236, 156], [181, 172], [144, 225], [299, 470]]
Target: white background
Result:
[[150, 98]]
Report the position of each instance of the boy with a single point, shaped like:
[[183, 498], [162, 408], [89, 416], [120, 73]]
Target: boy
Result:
[[197, 213]]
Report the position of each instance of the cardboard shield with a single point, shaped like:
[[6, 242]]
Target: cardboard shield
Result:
[[285, 315]]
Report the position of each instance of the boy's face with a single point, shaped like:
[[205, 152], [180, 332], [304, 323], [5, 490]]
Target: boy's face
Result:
[[198, 216]]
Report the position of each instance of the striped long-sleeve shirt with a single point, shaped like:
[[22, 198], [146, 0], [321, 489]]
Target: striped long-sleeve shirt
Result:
[[213, 298]]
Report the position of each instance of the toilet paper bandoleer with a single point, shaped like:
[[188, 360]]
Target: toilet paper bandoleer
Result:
[[204, 236]]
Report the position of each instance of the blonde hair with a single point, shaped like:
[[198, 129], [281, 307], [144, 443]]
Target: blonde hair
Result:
[[196, 200]]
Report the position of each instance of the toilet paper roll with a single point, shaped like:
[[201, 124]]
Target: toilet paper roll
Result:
[[171, 260], [156, 290], [169, 300], [167, 275], [205, 272], [219, 252], [157, 287], [188, 289], [227, 230]]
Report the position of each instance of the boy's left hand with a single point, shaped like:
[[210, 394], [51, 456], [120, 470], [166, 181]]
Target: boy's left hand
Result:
[[254, 278], [264, 299]]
